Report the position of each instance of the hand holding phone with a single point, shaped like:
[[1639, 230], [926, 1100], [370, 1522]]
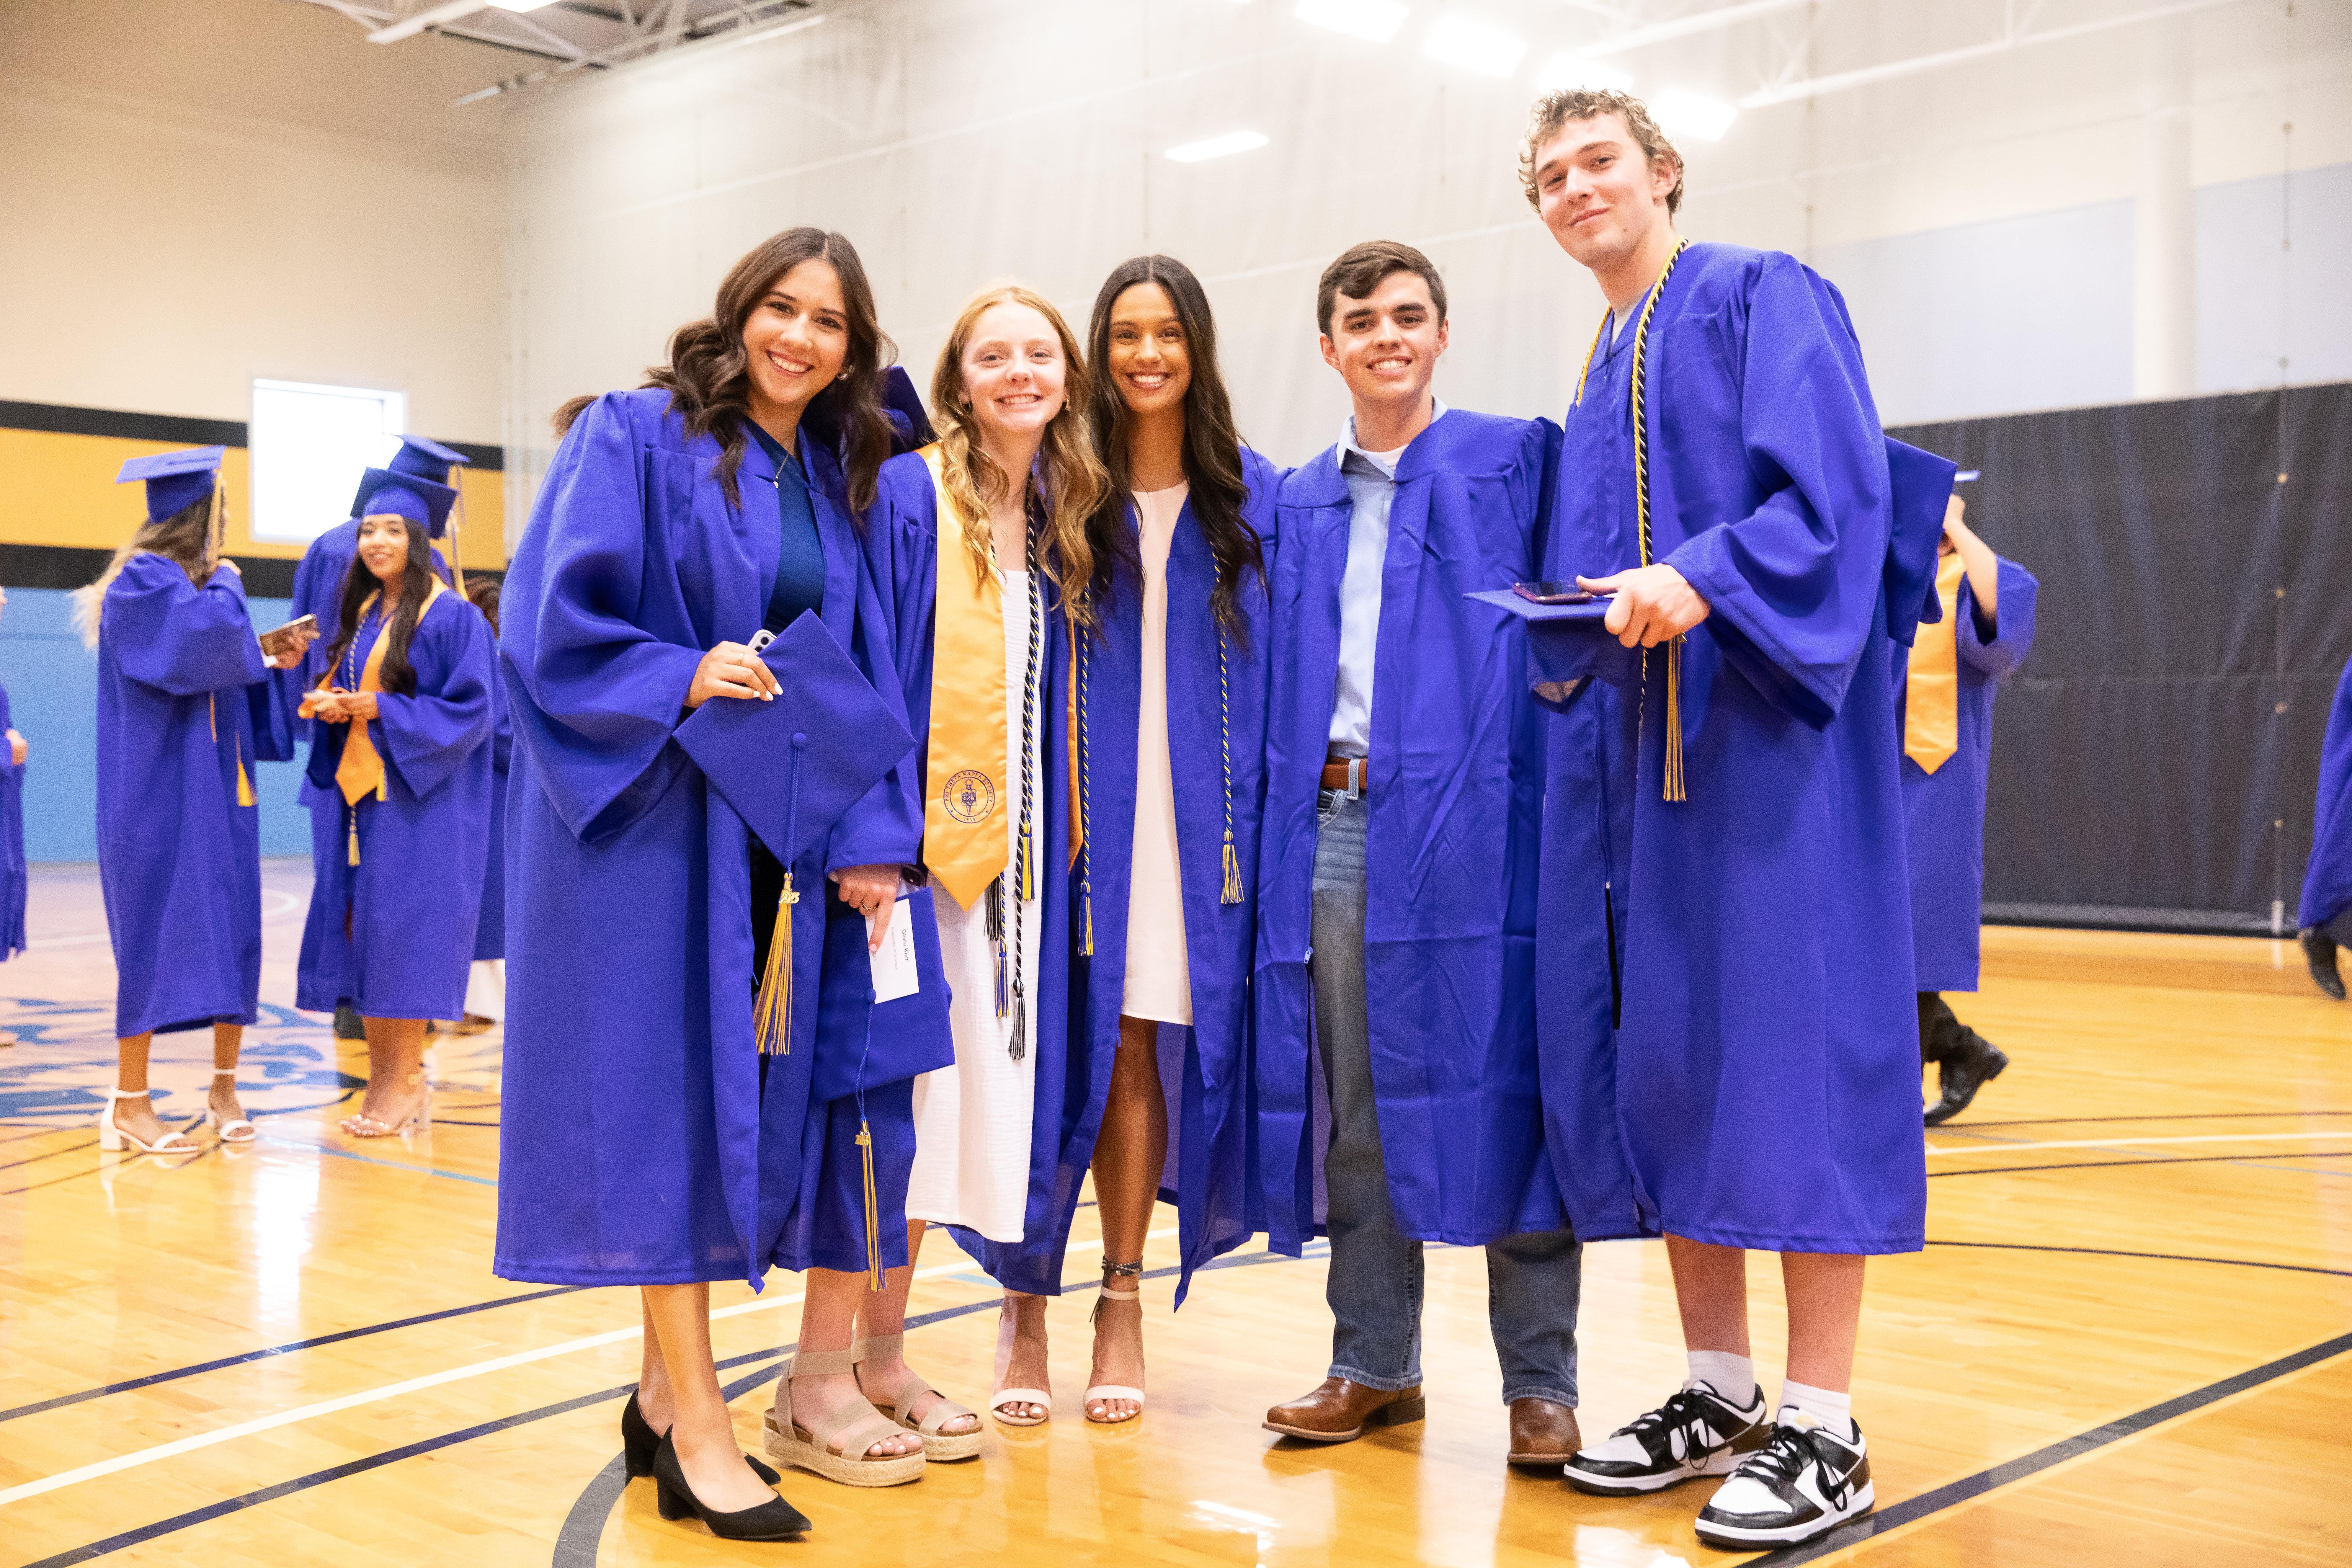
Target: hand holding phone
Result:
[[1553, 590]]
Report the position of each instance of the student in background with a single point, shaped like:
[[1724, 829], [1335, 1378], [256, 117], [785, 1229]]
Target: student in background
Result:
[[185, 710], [12, 838], [400, 749], [1397, 954], [317, 592], [2327, 876], [486, 983], [1943, 697]]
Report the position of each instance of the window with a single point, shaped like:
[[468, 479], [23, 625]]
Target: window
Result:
[[310, 444]]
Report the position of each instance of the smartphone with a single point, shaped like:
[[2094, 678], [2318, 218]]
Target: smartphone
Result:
[[1552, 591], [761, 639], [278, 639]]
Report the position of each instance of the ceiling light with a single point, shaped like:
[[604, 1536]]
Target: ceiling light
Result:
[[1694, 114], [1232, 142], [521, 5], [1376, 20], [1566, 70], [1475, 46]]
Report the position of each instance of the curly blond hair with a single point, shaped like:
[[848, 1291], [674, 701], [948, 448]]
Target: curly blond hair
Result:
[[1074, 482], [1554, 110]]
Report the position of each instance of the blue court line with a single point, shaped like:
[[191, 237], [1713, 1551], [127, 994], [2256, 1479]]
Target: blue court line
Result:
[[372, 1159]]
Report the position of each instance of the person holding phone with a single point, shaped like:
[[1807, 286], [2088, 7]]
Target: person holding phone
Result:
[[646, 1139], [400, 745], [187, 710]]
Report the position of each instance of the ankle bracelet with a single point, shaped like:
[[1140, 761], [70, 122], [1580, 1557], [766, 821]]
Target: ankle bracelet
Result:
[[1122, 1270]]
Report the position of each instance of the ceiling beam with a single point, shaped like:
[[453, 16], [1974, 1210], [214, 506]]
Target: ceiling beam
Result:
[[408, 26], [1685, 26]]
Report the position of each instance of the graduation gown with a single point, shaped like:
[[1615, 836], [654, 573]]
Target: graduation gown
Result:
[[902, 545], [184, 699], [1760, 1087], [1206, 1067], [12, 878], [643, 1142], [391, 936], [2327, 876], [1454, 788], [490, 925], [1943, 812]]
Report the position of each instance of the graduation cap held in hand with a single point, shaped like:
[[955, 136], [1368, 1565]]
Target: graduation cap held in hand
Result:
[[790, 767]]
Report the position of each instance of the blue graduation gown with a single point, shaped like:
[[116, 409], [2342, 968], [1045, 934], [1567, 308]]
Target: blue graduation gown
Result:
[[183, 698], [2328, 877], [1454, 787], [391, 936], [902, 544], [640, 1144], [1943, 812], [1206, 1067], [13, 879], [491, 926], [1761, 1086]]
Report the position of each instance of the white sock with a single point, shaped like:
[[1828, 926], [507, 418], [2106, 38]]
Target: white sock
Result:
[[1732, 1376], [1834, 1411]]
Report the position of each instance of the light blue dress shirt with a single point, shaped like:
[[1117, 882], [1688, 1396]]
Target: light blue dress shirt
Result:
[[1372, 488]]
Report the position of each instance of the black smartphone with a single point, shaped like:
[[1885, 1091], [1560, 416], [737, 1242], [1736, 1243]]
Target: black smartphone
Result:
[[1552, 591]]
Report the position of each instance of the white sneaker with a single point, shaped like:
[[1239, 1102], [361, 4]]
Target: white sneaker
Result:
[[1804, 1482], [1695, 1433]]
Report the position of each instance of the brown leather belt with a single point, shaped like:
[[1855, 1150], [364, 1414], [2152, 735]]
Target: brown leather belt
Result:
[[1336, 771]]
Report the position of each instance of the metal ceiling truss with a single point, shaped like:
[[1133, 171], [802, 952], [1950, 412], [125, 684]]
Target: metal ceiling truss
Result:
[[572, 34]]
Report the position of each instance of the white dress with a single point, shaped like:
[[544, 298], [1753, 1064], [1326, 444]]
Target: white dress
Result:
[[1159, 973], [973, 1119]]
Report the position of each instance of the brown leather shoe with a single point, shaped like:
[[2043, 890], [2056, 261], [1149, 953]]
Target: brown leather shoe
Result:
[[1543, 1433], [1340, 1411]]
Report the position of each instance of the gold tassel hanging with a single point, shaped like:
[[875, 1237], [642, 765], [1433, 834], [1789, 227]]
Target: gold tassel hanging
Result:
[[354, 857], [772, 1023], [1086, 804], [1232, 890], [873, 1209], [1672, 783], [1674, 780]]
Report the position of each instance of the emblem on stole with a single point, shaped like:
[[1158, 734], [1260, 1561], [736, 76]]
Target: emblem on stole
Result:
[[969, 797]]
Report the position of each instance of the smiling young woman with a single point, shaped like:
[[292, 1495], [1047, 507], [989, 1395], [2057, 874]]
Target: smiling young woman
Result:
[[981, 544], [400, 743], [650, 1138]]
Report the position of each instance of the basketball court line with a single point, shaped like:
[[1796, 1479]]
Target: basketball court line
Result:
[[1952, 1152]]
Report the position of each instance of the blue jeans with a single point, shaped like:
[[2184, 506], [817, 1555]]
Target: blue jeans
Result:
[[1533, 1281]]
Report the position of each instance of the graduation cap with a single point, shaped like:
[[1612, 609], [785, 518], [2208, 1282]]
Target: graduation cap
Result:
[[427, 459], [174, 479], [1569, 642], [791, 766], [417, 499]]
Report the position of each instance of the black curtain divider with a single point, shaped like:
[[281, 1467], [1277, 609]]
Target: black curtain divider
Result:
[[2154, 762]]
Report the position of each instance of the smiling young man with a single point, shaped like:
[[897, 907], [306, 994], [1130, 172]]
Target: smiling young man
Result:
[[1404, 784], [1740, 1074]]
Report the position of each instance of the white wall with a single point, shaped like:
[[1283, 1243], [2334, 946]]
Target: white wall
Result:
[[203, 192], [1983, 216]]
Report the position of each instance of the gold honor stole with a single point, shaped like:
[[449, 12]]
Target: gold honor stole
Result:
[[360, 772], [963, 840], [1931, 703]]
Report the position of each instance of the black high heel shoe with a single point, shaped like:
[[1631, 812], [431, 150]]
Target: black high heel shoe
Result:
[[774, 1520], [638, 1441]]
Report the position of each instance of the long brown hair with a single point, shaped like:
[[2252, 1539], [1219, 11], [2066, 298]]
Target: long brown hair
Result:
[[1212, 443], [1073, 482], [709, 375], [396, 676], [184, 538]]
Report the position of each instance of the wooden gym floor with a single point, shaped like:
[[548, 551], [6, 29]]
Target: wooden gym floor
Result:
[[2129, 1338]]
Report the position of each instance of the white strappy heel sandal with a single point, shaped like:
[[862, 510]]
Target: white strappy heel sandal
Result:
[[1041, 1397], [835, 1446], [938, 1446], [111, 1137], [1102, 1392], [238, 1130]]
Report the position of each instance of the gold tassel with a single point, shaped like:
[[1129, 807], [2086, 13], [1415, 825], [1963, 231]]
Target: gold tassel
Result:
[[1673, 768], [355, 837], [772, 1023], [1086, 906], [873, 1210], [1028, 868], [1232, 893], [245, 795]]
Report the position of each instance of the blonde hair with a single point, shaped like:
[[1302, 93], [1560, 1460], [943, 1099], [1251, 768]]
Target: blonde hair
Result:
[[1075, 483], [185, 538], [1554, 110]]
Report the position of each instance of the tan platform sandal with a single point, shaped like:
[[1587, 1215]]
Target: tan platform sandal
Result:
[[835, 1448], [1102, 1393], [938, 1446]]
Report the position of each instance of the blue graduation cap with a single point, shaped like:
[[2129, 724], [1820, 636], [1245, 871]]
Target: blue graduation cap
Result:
[[174, 479], [427, 459], [410, 496]]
